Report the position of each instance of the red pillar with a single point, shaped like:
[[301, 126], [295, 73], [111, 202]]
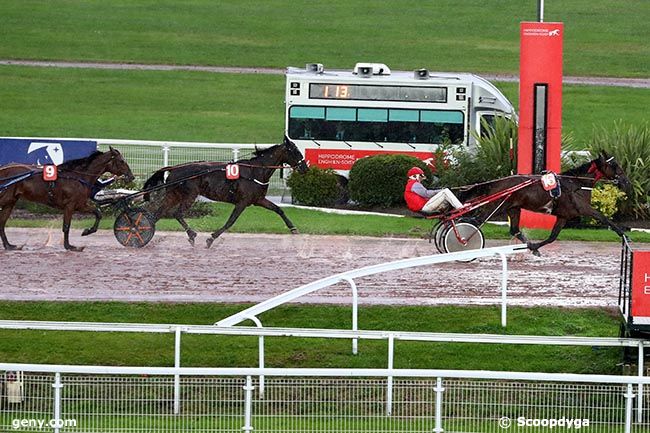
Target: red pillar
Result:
[[540, 105]]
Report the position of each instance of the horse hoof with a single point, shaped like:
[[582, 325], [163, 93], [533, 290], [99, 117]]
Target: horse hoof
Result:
[[208, 242], [11, 247], [87, 232], [74, 249], [191, 235], [536, 253], [294, 231]]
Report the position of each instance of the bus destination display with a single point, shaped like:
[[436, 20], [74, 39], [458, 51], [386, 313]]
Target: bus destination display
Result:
[[362, 92]]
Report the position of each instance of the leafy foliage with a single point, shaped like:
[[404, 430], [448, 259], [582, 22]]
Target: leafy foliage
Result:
[[606, 198], [317, 187], [630, 145], [380, 180], [493, 157]]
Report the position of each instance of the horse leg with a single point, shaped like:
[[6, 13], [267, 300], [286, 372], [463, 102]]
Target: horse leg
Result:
[[67, 218], [98, 216], [557, 228], [591, 212], [514, 214], [191, 234], [5, 212], [239, 208], [265, 203]]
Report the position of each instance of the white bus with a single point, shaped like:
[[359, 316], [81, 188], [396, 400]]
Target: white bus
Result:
[[336, 117]]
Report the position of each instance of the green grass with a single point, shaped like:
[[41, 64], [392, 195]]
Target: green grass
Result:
[[601, 37], [195, 106], [222, 351], [309, 221]]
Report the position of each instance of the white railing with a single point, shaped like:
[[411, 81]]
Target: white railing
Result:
[[349, 277], [141, 399], [146, 156], [389, 336]]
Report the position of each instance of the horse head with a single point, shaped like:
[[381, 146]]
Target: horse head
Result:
[[293, 156], [117, 165], [608, 168]]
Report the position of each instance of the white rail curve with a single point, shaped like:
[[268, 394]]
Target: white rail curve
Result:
[[349, 276]]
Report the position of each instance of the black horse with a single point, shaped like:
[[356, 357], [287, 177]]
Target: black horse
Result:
[[574, 201], [187, 181], [76, 183]]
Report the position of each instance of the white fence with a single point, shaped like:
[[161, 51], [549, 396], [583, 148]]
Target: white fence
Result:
[[146, 156], [130, 399]]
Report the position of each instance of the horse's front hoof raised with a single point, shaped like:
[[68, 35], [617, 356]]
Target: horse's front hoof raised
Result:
[[87, 232]]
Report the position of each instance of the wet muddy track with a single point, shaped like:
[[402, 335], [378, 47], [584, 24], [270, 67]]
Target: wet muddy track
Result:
[[255, 267]]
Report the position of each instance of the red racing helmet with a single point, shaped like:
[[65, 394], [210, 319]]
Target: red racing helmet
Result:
[[415, 170]]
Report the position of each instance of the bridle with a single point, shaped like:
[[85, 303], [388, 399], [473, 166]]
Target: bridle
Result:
[[598, 174]]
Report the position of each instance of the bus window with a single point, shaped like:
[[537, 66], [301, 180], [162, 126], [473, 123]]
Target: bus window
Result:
[[442, 126], [486, 122], [305, 122], [376, 125]]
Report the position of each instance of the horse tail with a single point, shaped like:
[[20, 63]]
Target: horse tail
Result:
[[158, 178]]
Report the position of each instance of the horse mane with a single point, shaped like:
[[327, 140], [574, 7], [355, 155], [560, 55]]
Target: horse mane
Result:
[[80, 163], [260, 152], [582, 169]]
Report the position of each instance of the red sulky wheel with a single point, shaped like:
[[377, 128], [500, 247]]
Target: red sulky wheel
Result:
[[134, 228]]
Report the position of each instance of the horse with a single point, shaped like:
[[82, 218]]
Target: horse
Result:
[[76, 183], [209, 179], [574, 199]]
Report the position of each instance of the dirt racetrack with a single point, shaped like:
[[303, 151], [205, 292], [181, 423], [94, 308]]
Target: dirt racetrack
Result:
[[252, 268]]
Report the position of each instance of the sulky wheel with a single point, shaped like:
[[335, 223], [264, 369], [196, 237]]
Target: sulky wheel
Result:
[[134, 228], [466, 237], [439, 235]]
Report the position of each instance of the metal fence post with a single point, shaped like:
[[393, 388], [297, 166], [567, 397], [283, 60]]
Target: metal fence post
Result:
[[629, 396], [439, 390], [57, 402], [504, 287], [639, 399], [260, 352], [177, 377], [248, 404], [389, 379], [355, 314], [235, 154], [165, 149]]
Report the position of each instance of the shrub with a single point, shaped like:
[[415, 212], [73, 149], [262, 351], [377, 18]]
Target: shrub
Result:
[[630, 145], [606, 198], [492, 158], [317, 187], [380, 180]]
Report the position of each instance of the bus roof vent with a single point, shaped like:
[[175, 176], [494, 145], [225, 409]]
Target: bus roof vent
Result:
[[421, 74], [369, 69], [316, 68]]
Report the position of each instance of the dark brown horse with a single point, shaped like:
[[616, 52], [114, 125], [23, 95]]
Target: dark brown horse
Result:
[[208, 179], [574, 201], [71, 191]]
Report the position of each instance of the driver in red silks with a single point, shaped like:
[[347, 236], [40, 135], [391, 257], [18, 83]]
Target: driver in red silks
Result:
[[420, 199]]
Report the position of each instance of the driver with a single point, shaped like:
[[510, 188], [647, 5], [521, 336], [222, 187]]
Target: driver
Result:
[[420, 199]]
